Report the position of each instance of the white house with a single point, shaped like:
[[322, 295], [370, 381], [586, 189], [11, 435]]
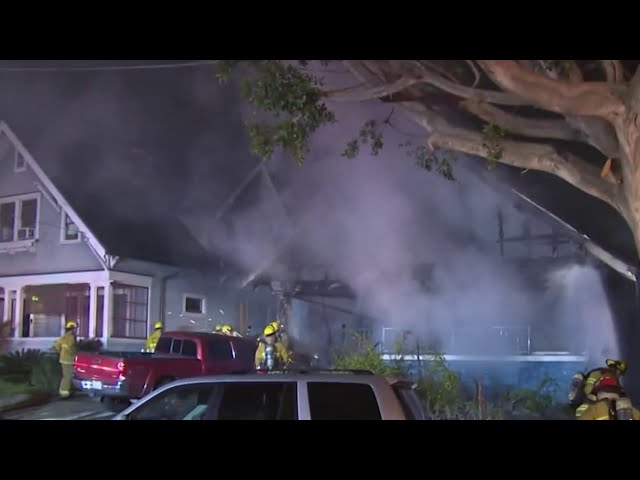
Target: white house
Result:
[[64, 256]]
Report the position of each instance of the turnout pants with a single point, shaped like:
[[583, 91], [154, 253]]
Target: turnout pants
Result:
[[65, 383]]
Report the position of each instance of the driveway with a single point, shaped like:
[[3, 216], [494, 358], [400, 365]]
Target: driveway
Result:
[[75, 408]]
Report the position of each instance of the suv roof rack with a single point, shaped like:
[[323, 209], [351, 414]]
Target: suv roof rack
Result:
[[308, 371]]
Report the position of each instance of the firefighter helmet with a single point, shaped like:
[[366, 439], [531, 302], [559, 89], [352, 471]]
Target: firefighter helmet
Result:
[[157, 325], [619, 365], [226, 329], [275, 325], [71, 324], [269, 330]]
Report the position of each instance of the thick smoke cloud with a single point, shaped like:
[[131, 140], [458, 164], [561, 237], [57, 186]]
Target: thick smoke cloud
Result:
[[178, 137], [372, 219]]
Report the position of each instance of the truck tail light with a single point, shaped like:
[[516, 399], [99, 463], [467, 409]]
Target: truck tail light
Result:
[[122, 369]]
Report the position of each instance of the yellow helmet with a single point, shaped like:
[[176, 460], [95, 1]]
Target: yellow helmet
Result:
[[71, 324], [218, 328], [276, 325], [619, 365], [226, 329], [157, 325], [269, 330]]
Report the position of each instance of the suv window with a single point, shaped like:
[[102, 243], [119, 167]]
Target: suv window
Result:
[[219, 350], [184, 402], [258, 401], [342, 401]]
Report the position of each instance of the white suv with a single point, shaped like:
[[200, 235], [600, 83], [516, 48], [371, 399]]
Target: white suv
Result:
[[286, 395]]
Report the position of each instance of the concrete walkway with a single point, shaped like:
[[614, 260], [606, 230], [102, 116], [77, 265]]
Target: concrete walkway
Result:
[[75, 408]]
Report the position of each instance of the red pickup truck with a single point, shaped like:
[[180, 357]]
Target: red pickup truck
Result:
[[121, 376]]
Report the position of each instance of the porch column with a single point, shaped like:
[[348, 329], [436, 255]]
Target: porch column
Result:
[[107, 313], [6, 313], [93, 311], [19, 312]]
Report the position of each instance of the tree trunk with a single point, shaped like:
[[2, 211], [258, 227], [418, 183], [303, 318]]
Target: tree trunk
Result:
[[629, 206]]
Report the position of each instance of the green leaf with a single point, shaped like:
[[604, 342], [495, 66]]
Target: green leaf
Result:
[[492, 141], [291, 96]]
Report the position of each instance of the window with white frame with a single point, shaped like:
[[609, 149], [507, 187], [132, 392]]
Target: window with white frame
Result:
[[70, 232], [19, 218], [19, 162], [130, 311], [193, 304]]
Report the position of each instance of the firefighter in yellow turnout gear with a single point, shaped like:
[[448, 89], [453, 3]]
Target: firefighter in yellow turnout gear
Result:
[[596, 391], [271, 353], [226, 330], [281, 334], [152, 340], [67, 347], [610, 408]]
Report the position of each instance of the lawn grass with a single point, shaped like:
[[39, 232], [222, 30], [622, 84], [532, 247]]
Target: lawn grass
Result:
[[14, 385]]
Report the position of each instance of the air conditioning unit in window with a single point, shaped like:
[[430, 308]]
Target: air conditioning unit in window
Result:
[[26, 233]]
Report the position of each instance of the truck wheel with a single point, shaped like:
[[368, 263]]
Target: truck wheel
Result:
[[114, 405]]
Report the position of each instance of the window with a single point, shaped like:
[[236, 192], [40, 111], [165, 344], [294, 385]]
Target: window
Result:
[[177, 346], [184, 402], [258, 401], [130, 311], [219, 350], [19, 164], [70, 232], [193, 304], [164, 345], [342, 401], [189, 349], [245, 351], [19, 218]]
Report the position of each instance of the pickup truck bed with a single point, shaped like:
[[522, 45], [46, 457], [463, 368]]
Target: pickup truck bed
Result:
[[131, 375]]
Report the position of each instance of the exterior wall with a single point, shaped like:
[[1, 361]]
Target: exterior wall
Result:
[[48, 255], [260, 304], [222, 304]]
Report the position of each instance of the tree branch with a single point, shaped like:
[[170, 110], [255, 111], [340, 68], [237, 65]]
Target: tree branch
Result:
[[597, 133], [596, 99], [534, 156], [613, 70], [424, 75], [363, 92], [528, 127], [476, 73]]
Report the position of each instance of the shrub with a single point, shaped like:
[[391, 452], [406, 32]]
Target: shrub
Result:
[[441, 389], [46, 374], [20, 362]]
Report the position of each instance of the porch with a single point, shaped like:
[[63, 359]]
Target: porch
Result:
[[105, 304]]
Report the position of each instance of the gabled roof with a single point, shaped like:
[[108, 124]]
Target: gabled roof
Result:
[[123, 225], [93, 242]]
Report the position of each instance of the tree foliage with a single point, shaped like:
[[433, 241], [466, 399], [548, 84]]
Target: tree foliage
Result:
[[528, 114]]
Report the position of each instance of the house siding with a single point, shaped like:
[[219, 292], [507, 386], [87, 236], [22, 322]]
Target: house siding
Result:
[[218, 297], [222, 304], [50, 256]]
